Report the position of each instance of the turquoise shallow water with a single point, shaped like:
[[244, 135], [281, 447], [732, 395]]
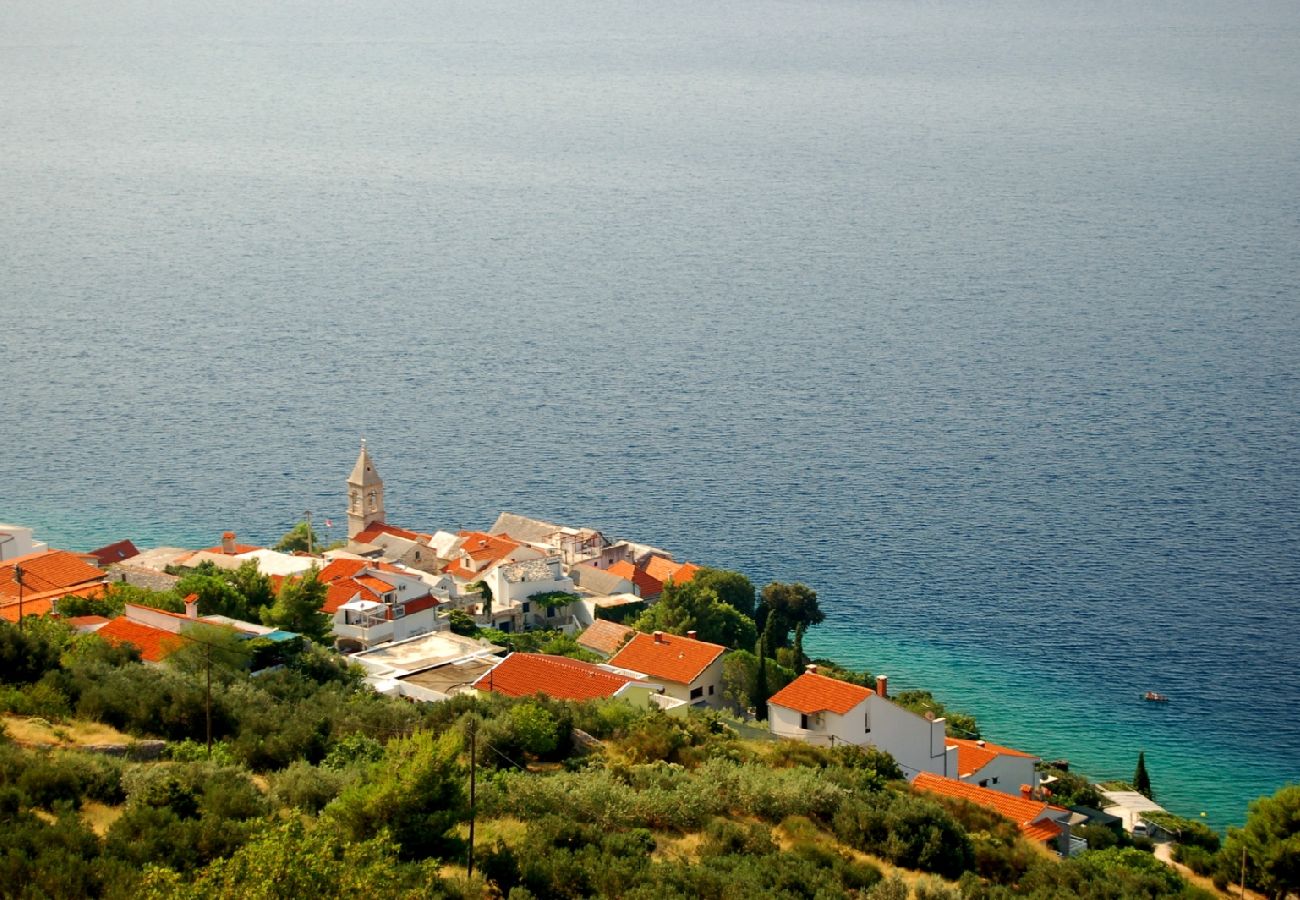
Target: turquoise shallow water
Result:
[[980, 319]]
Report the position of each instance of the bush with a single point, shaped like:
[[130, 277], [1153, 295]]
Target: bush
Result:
[[306, 787], [909, 831]]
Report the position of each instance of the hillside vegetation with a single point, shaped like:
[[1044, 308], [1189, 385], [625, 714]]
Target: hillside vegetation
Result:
[[316, 786]]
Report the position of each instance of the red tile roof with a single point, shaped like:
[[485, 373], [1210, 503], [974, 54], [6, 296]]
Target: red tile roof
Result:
[[113, 553], [664, 570], [238, 548], [420, 604], [46, 572], [375, 529], [480, 546], [670, 656], [154, 643], [341, 568], [811, 693], [1046, 830], [604, 636], [338, 593], [1019, 810], [526, 674], [975, 755], [646, 584], [372, 583]]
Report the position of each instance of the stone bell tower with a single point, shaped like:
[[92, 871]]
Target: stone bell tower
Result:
[[365, 494]]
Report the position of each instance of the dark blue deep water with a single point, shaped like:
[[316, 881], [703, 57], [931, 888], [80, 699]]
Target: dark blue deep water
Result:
[[981, 318]]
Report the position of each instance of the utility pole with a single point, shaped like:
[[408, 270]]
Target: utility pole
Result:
[[18, 577], [308, 515], [473, 770], [1243, 871], [207, 699]]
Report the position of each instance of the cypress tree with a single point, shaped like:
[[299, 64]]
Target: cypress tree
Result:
[[798, 647], [1141, 780], [760, 680]]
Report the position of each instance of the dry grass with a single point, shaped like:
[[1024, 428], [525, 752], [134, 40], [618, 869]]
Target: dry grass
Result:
[[99, 817], [38, 732]]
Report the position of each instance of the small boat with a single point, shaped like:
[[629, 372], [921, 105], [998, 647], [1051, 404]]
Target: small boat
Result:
[[1155, 697]]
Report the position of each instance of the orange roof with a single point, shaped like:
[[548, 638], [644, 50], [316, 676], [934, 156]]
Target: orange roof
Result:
[[238, 548], [647, 584], [1017, 809], [341, 568], [154, 643], [668, 656], [480, 546], [338, 593], [526, 674], [113, 553], [664, 570], [811, 693], [604, 636], [457, 569], [375, 529], [975, 755], [371, 583], [45, 572], [1045, 830]]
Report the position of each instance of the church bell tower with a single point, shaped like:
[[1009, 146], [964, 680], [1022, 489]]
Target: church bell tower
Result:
[[365, 494]]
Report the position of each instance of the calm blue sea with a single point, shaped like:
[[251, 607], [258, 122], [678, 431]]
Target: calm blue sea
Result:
[[981, 318]]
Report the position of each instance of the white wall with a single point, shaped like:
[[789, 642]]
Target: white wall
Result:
[[916, 743], [16, 540], [1006, 774]]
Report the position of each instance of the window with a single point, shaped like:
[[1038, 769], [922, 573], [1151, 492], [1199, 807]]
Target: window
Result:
[[710, 690], [995, 781], [697, 693], [984, 782], [550, 612], [399, 611], [526, 607], [803, 721], [866, 722]]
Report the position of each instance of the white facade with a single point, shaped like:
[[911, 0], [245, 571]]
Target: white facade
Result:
[[1005, 773], [16, 541], [704, 690], [916, 743]]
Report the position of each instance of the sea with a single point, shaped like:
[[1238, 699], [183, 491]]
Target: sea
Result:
[[980, 318]]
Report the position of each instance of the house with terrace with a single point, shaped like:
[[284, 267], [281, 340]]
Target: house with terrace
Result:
[[533, 593], [993, 766], [571, 545], [825, 711], [374, 602], [689, 669]]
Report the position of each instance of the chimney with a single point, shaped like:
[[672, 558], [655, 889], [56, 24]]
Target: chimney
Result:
[[979, 743], [228, 543], [1026, 792], [691, 635], [811, 668], [192, 606], [882, 685], [659, 637]]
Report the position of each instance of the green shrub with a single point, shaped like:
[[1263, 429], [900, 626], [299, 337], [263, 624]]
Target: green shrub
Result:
[[306, 787], [909, 831]]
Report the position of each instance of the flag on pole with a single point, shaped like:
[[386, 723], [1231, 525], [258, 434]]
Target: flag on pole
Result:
[[329, 524]]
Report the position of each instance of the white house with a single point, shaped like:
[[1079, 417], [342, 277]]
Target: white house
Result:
[[373, 603], [16, 540], [688, 669], [995, 767], [826, 711]]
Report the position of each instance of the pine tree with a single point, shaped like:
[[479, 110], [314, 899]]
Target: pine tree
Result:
[[1141, 780]]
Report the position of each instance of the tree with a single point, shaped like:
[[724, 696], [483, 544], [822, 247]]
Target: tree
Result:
[[798, 645], [461, 622], [297, 608], [1141, 780], [1270, 842], [696, 607], [416, 792], [732, 588], [790, 605], [254, 585], [201, 646], [482, 588], [761, 694], [215, 594], [301, 538]]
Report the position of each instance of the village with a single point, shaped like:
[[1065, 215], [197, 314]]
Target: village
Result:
[[430, 616]]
